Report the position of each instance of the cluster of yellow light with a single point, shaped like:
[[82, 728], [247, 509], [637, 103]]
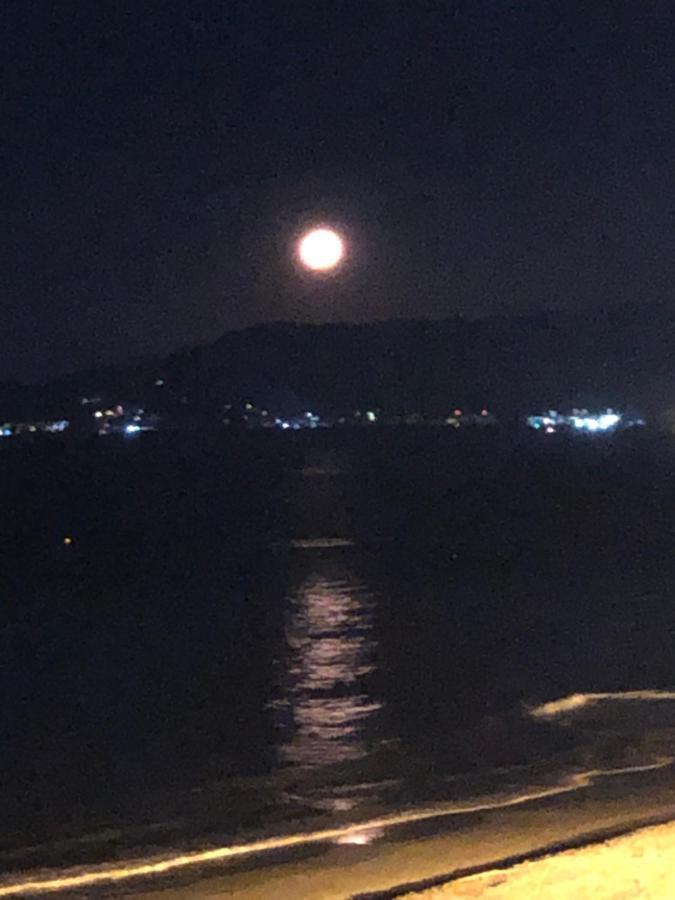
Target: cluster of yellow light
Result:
[[109, 413]]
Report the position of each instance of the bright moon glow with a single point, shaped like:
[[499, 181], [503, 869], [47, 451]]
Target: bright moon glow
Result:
[[321, 249]]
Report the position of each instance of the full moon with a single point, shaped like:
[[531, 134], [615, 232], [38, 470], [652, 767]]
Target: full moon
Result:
[[321, 249]]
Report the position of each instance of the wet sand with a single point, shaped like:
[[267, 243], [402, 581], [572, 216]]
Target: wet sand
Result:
[[409, 856]]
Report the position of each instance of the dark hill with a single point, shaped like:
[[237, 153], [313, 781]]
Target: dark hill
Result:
[[619, 356]]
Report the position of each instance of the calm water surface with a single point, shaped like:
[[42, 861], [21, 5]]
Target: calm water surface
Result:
[[328, 673]]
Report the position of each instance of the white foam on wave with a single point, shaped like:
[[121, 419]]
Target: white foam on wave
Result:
[[121, 871], [574, 702]]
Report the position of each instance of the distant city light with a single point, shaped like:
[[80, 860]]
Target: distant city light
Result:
[[321, 249], [132, 428], [67, 540], [370, 415], [580, 420], [19, 428], [58, 425], [98, 414], [595, 423], [457, 412], [159, 382]]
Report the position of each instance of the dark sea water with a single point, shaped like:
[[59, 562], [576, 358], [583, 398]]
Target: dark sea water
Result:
[[359, 632]]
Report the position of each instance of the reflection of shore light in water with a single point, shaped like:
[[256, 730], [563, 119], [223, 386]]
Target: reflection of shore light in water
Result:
[[331, 653]]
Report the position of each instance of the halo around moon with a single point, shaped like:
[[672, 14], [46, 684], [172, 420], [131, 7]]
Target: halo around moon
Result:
[[321, 249]]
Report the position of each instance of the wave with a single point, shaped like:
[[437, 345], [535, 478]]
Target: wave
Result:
[[361, 833], [572, 703]]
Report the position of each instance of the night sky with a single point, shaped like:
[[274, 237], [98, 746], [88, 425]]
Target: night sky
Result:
[[483, 156]]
